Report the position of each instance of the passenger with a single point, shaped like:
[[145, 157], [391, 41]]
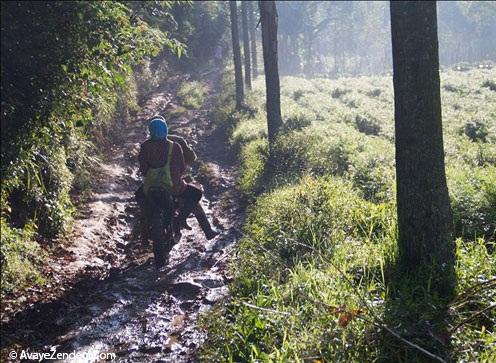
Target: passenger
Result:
[[163, 159]]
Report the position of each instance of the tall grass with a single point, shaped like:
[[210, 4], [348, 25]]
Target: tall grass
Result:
[[192, 94], [314, 276]]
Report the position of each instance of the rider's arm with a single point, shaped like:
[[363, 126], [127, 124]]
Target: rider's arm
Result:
[[143, 161]]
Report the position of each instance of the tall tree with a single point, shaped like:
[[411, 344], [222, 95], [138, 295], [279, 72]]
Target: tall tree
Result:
[[238, 72], [253, 39], [268, 16], [246, 43], [424, 213]]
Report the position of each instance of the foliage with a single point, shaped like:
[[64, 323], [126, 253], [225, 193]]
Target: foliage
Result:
[[314, 275], [473, 199], [20, 256], [368, 125], [313, 279], [475, 130], [253, 160], [224, 107], [351, 135], [202, 26], [489, 84], [192, 94], [67, 74]]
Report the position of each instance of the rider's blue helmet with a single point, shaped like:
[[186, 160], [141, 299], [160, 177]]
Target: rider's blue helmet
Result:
[[158, 128]]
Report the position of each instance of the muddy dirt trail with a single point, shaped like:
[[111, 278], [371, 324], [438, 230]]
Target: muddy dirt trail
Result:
[[105, 296]]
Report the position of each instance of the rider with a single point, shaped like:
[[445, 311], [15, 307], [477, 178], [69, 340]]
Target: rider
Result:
[[163, 159]]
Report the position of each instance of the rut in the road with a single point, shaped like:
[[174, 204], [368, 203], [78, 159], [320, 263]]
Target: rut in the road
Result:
[[127, 311]]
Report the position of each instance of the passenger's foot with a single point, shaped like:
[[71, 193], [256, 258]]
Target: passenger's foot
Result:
[[211, 233], [178, 225], [186, 226]]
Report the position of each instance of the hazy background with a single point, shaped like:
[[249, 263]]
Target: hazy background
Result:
[[336, 38]]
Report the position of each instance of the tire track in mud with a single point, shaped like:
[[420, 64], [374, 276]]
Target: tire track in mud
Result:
[[116, 303]]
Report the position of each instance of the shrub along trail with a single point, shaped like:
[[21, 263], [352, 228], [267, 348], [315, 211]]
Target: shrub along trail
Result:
[[102, 294]]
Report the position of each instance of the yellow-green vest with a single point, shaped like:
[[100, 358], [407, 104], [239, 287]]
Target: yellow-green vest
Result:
[[159, 178]]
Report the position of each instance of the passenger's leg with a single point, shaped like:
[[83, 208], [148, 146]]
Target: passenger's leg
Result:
[[200, 215], [191, 197]]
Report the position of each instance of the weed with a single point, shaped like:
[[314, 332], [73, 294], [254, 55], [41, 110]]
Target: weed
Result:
[[475, 130], [367, 124], [314, 275], [489, 84], [192, 94], [20, 257]]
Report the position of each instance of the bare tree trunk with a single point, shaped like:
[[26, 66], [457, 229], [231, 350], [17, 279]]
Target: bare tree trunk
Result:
[[253, 39], [268, 15], [246, 43], [425, 223], [238, 72]]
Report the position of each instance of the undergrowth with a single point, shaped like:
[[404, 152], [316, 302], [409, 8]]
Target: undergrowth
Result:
[[192, 94], [58, 111], [315, 278]]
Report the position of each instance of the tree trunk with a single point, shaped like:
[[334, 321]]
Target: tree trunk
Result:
[[246, 43], [253, 39], [268, 15], [238, 72], [425, 223]]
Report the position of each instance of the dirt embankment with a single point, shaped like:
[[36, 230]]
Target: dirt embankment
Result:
[[104, 295]]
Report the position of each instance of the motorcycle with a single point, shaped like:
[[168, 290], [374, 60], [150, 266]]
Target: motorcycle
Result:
[[158, 209]]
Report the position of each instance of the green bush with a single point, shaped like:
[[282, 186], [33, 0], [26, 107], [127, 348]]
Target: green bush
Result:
[[311, 276], [287, 222], [489, 84], [192, 94], [338, 92], [475, 130], [473, 199], [247, 129], [376, 92], [372, 170], [313, 152], [20, 257], [452, 88], [367, 124], [295, 119], [253, 162], [284, 265], [224, 104], [292, 153]]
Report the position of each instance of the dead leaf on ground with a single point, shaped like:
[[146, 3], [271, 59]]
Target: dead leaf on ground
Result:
[[344, 319]]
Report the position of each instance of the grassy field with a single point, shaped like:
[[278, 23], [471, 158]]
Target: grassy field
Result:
[[314, 276]]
